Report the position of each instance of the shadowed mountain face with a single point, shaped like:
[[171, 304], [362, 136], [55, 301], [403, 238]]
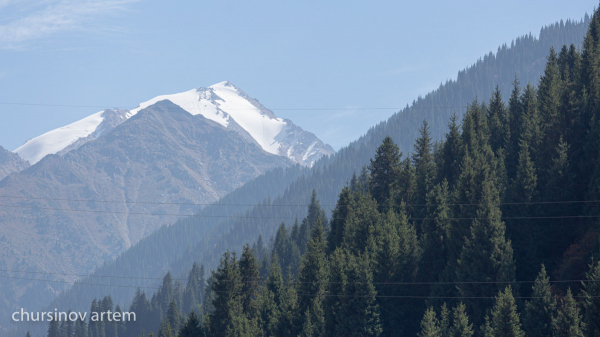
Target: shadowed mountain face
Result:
[[161, 155], [10, 162]]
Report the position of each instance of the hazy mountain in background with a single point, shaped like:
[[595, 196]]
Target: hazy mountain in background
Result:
[[100, 185], [176, 247], [10, 162], [222, 103]]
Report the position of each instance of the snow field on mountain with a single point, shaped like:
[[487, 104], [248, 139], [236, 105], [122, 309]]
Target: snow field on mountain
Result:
[[222, 103], [228, 104], [53, 141]]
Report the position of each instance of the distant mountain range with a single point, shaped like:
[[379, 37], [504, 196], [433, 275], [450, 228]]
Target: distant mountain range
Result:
[[222, 103], [99, 185]]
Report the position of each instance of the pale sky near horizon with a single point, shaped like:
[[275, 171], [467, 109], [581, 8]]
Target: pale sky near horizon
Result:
[[347, 55]]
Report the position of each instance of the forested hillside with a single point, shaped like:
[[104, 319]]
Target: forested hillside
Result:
[[177, 247], [493, 231]]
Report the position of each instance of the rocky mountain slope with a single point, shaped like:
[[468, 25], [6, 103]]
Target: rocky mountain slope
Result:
[[222, 103], [68, 213], [10, 162]]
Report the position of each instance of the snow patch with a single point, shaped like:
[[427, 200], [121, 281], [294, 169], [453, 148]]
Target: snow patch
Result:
[[53, 141], [222, 101]]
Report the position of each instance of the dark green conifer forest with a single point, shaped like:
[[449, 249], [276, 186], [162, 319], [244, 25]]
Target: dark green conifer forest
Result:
[[492, 231]]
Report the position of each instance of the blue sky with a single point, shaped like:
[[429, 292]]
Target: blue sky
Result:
[[347, 55]]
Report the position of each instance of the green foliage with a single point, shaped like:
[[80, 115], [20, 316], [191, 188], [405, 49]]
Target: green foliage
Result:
[[424, 165], [460, 323], [191, 328], [356, 312], [430, 325], [312, 280], [568, 322], [486, 255], [383, 169], [541, 309], [505, 318], [591, 300]]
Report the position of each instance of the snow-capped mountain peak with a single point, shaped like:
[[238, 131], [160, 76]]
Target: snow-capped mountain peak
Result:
[[222, 103]]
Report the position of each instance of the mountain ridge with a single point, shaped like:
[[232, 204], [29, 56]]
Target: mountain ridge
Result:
[[223, 103], [10, 162]]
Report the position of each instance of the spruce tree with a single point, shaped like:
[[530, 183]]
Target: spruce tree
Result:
[[568, 322], [445, 321], [53, 328], [384, 171], [141, 307], [250, 280], [227, 287], [338, 278], [339, 217], [530, 127], [505, 319], [191, 328], [475, 131], [290, 322], [80, 328], [451, 152], [548, 98], [282, 245], [407, 184], [496, 118], [430, 324], [165, 329], [460, 323], [486, 255], [362, 220], [515, 116], [173, 317], [486, 330], [541, 309], [312, 278], [559, 187], [274, 282], [268, 312], [396, 260], [93, 326], [524, 191], [424, 166], [358, 313], [591, 300], [436, 233], [315, 213]]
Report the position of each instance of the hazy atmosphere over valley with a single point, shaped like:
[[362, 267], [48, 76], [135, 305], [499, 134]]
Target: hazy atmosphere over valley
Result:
[[188, 169]]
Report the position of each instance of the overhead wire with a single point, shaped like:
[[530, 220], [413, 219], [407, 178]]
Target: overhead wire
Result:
[[298, 282], [286, 205], [293, 218], [237, 109], [323, 294]]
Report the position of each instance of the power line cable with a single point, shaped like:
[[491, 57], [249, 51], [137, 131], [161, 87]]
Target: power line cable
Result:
[[288, 205], [324, 295], [300, 282], [238, 109], [293, 218]]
